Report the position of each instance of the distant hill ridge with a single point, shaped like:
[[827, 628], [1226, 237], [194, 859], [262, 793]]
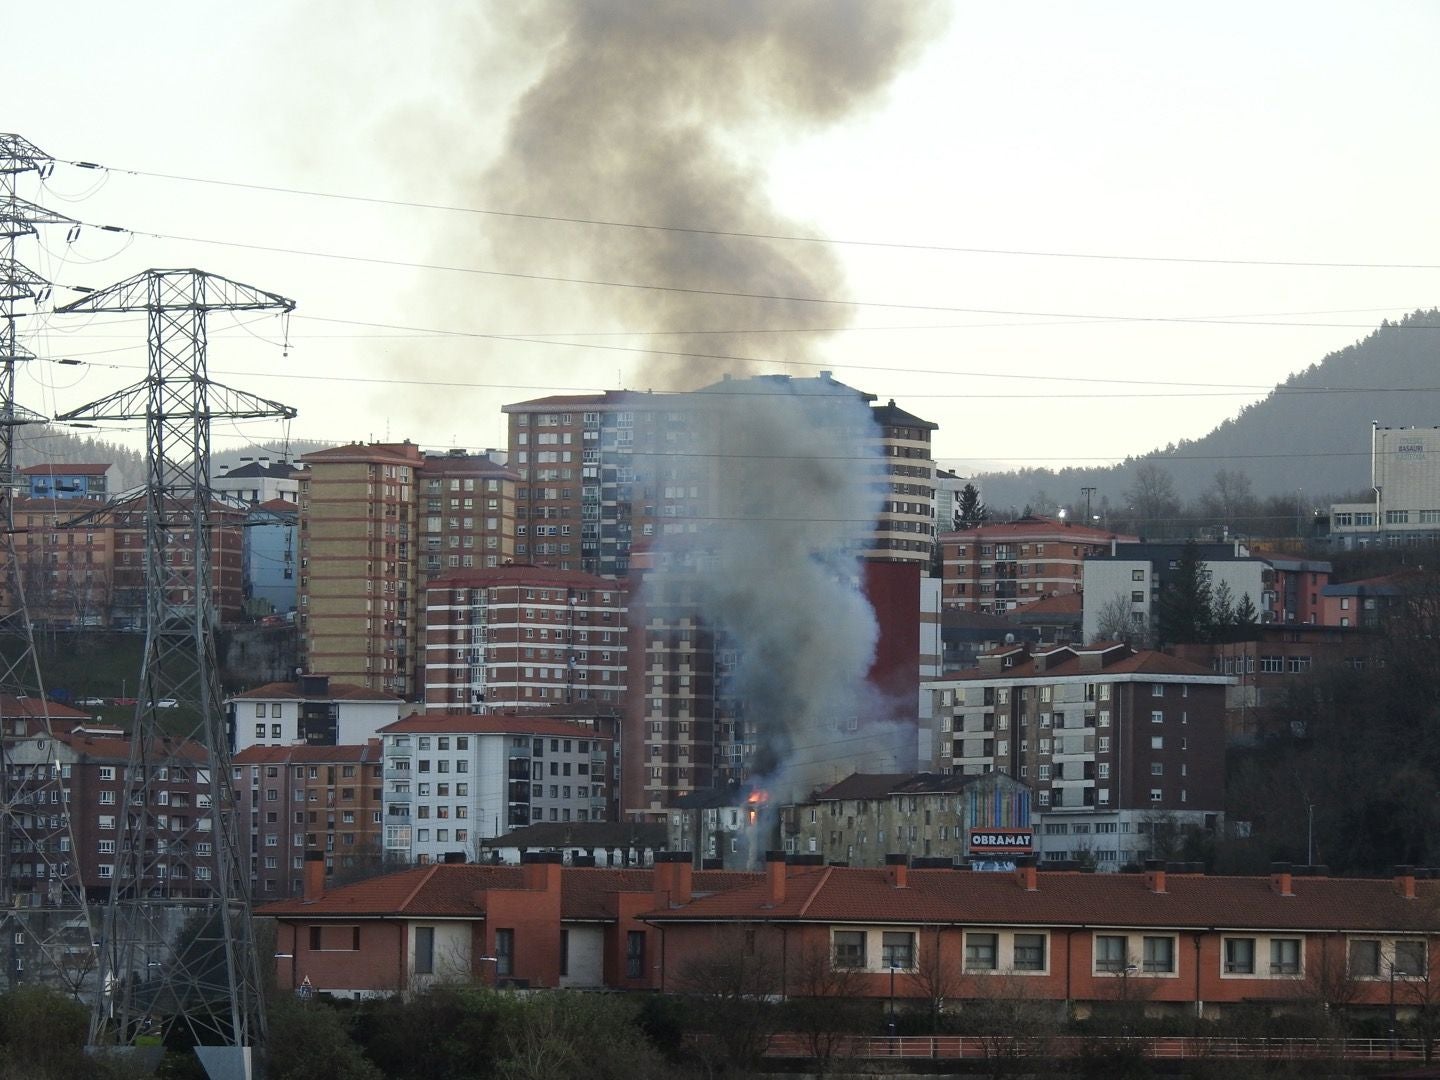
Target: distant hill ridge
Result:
[[1297, 437]]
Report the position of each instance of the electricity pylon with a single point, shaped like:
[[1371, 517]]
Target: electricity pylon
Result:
[[44, 920], [177, 948]]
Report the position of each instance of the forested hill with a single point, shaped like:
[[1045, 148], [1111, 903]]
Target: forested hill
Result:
[[43, 444], [1311, 433]]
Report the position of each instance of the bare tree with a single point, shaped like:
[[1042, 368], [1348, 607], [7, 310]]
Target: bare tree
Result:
[[825, 1005], [732, 985], [1014, 1023], [1115, 621], [1152, 498], [936, 977]]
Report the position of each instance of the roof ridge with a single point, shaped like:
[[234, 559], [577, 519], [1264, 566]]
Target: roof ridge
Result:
[[424, 880], [824, 880]]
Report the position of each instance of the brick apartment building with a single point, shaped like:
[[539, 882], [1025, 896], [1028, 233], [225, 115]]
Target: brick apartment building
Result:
[[1112, 741], [303, 799], [358, 570], [602, 472], [467, 518], [85, 774], [523, 636], [1185, 944], [1000, 566], [227, 561], [68, 574], [451, 781]]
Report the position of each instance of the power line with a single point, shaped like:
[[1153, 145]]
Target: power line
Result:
[[743, 235]]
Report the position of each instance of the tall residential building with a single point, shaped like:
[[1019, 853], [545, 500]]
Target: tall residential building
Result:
[[1114, 743], [1001, 566], [302, 799], [358, 569], [467, 513], [523, 636], [599, 473], [453, 780], [227, 561], [67, 573]]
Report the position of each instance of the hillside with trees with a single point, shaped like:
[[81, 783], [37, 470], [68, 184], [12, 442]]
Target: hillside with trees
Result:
[[1310, 434]]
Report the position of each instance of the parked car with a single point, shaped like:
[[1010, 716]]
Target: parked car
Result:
[[167, 703], [92, 701]]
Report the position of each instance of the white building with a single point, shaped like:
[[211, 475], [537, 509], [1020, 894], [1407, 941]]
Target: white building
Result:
[[312, 710], [261, 481], [451, 781], [1139, 573], [1405, 480]]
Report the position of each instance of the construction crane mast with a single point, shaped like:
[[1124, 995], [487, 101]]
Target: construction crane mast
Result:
[[177, 949]]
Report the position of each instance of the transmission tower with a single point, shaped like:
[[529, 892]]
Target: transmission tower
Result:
[[44, 921], [177, 945]]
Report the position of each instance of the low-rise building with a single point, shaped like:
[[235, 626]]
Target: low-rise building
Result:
[[66, 481], [302, 799], [312, 709], [452, 780], [580, 843], [1000, 566], [866, 818]]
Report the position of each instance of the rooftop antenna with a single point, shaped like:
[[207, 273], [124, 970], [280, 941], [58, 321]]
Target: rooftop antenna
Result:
[[175, 867]]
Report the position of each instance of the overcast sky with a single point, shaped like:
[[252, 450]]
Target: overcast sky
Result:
[[1277, 132]]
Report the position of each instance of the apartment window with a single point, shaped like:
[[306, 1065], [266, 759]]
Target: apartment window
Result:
[[1284, 956], [897, 949], [635, 954], [1158, 954], [1029, 952], [1409, 957], [1137, 575], [1240, 956], [849, 948], [981, 952], [1111, 952]]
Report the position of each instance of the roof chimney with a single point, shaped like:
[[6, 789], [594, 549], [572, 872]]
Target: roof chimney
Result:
[[540, 870], [775, 877], [673, 878], [897, 871], [1405, 881], [314, 875], [1280, 881], [1026, 875], [1155, 875]]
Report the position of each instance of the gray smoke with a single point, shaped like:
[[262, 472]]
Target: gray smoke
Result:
[[794, 475], [639, 115]]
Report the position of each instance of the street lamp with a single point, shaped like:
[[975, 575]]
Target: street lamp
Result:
[[891, 1024], [495, 983]]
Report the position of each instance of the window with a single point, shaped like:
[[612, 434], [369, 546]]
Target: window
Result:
[[849, 948], [981, 952], [1157, 717], [1365, 959], [897, 950], [424, 949], [1158, 954], [1240, 956], [1029, 952], [1284, 956], [1111, 952], [1409, 957], [504, 952], [635, 954]]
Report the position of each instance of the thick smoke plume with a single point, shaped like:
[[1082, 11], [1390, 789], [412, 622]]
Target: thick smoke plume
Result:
[[639, 115], [792, 470]]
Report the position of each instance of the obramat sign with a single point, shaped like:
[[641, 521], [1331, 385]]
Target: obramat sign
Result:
[[1019, 840]]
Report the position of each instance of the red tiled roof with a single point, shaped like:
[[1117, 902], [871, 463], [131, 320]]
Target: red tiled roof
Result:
[[336, 692], [883, 785], [608, 397], [279, 505], [1060, 604], [402, 453], [109, 748], [305, 753], [518, 723], [16, 708], [854, 895], [450, 890]]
